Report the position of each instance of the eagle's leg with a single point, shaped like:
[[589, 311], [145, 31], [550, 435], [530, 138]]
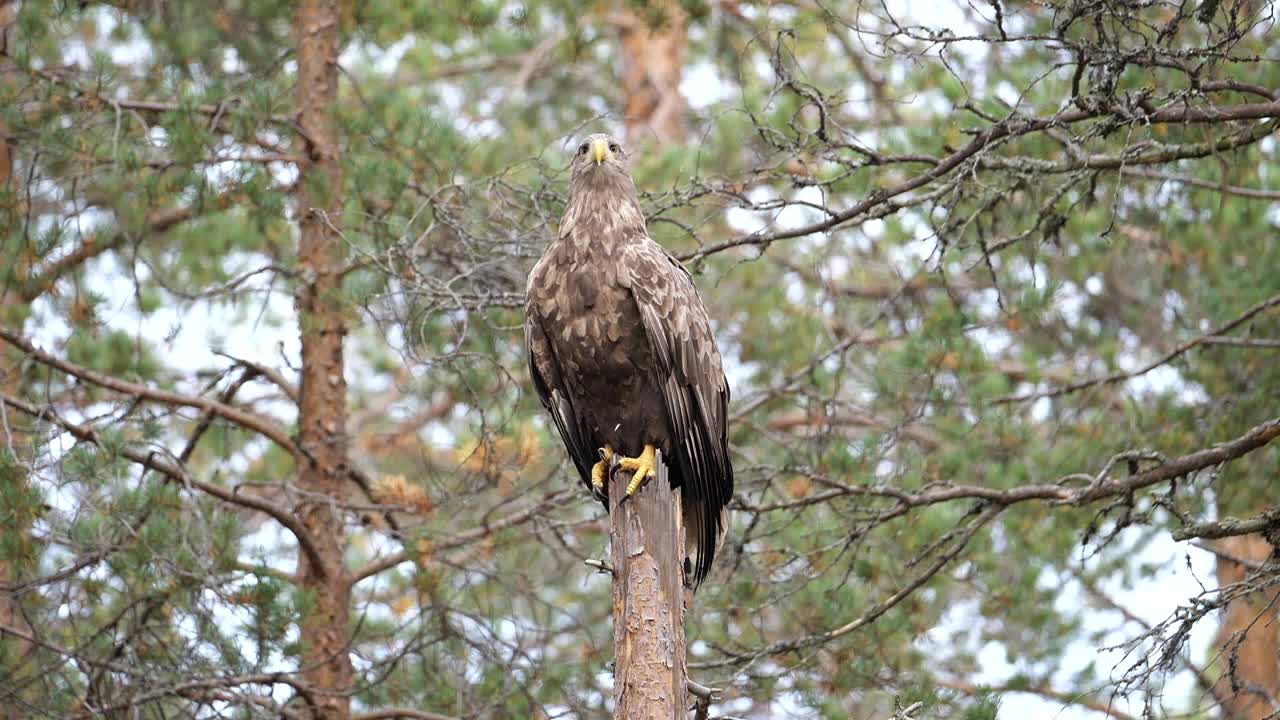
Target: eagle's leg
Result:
[[597, 472], [642, 467]]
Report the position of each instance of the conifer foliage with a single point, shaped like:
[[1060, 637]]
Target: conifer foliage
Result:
[[995, 284]]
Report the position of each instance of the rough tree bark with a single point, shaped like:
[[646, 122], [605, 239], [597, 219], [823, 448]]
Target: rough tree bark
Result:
[[322, 435], [646, 549], [653, 50], [1248, 636]]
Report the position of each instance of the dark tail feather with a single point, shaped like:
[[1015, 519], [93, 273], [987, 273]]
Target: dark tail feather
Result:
[[704, 531]]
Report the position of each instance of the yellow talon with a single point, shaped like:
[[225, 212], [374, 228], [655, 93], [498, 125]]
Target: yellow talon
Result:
[[642, 466], [597, 470]]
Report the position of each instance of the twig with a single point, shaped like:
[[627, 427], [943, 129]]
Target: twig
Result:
[[270, 373], [959, 542], [1229, 526], [904, 713], [244, 418], [1242, 342], [1017, 127], [1079, 699], [463, 538], [705, 696], [1219, 331]]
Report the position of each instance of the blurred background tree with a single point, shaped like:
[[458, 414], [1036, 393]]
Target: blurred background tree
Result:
[[996, 285]]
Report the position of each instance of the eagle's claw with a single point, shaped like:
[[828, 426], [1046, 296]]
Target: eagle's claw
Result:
[[599, 494], [597, 475], [642, 468]]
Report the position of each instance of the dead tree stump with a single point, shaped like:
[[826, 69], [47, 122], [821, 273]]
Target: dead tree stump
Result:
[[646, 549]]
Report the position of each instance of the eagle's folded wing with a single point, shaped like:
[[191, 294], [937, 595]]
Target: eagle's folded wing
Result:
[[548, 381], [695, 391]]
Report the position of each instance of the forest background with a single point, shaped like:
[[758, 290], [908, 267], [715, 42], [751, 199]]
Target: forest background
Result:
[[996, 284]]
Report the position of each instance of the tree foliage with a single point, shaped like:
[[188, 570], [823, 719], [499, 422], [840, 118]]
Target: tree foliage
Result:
[[995, 286]]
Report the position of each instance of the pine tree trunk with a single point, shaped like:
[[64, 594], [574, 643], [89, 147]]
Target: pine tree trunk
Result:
[[646, 541], [1248, 638], [325, 631], [653, 50]]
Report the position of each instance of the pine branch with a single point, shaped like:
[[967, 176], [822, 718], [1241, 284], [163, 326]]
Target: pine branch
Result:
[[160, 462]]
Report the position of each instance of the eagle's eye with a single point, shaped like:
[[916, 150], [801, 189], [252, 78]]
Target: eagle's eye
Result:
[[613, 148], [582, 149]]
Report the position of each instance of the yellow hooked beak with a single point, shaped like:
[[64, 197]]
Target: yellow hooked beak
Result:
[[600, 150]]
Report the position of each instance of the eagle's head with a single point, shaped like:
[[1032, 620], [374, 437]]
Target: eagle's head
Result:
[[598, 154], [601, 189]]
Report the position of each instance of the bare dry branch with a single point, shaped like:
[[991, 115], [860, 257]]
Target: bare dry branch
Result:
[[244, 418]]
